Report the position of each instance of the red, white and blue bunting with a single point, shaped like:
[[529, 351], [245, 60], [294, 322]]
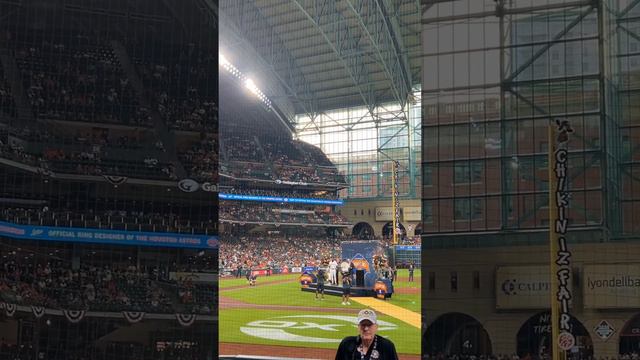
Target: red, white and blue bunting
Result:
[[10, 309], [74, 316], [133, 316], [186, 319], [38, 311]]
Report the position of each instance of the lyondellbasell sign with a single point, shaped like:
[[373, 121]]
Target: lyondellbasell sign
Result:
[[604, 330], [611, 286]]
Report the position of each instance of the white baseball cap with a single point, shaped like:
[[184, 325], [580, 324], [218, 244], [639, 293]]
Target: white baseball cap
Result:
[[367, 314]]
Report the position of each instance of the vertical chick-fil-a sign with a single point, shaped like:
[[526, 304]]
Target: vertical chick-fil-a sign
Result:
[[560, 255]]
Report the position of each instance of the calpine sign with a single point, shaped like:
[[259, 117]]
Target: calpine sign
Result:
[[384, 213], [522, 287]]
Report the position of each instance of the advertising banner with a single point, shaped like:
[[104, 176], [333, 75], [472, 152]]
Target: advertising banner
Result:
[[116, 237], [224, 196], [522, 287], [412, 213], [408, 247], [309, 269], [611, 286], [384, 213]]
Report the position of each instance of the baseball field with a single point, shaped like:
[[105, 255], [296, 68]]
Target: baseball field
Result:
[[275, 318]]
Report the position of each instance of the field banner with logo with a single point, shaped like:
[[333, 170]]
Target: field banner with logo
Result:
[[384, 213], [522, 287], [611, 286]]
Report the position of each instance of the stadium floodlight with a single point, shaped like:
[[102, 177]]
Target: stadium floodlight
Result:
[[222, 60], [249, 84]]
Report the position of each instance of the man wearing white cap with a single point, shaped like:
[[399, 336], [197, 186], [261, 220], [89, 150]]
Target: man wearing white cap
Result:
[[367, 345]]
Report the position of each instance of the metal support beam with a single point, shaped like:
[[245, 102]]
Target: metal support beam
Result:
[[629, 7], [375, 21], [245, 20], [551, 42], [334, 28], [506, 11], [629, 32], [425, 5]]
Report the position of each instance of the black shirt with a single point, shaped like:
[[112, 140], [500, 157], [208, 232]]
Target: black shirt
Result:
[[348, 349]]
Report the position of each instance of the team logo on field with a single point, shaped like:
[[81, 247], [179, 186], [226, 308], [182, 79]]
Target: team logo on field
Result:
[[284, 328]]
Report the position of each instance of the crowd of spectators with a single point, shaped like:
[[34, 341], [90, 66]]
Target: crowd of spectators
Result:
[[57, 285], [314, 154], [411, 240], [247, 170], [132, 140], [78, 79], [298, 174], [242, 148], [87, 162], [182, 85], [7, 103], [87, 153], [283, 151], [279, 213], [276, 252], [201, 160], [287, 160], [130, 220]]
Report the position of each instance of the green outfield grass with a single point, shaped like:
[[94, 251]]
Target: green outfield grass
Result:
[[267, 293], [271, 327], [231, 282], [282, 294], [404, 273], [408, 301]]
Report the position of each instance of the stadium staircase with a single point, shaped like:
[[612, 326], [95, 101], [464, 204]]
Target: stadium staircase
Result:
[[161, 128], [12, 74]]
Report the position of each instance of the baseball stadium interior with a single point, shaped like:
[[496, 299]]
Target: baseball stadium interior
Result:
[[108, 180], [508, 89], [320, 120], [242, 179]]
